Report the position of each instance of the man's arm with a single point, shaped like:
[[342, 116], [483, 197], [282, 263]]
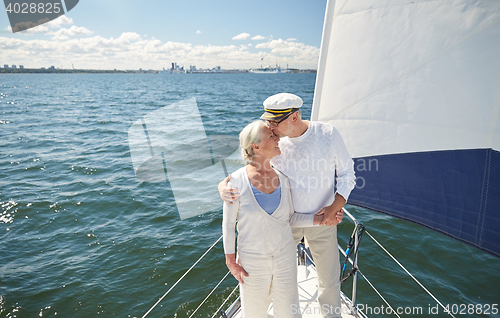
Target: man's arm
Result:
[[346, 181], [333, 213], [344, 166], [228, 194]]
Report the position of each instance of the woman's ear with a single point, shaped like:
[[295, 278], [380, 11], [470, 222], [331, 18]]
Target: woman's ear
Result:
[[255, 146]]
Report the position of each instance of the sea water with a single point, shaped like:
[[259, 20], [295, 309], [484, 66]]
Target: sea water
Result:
[[81, 236]]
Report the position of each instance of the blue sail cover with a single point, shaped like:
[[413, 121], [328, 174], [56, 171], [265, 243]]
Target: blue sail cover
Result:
[[414, 89]]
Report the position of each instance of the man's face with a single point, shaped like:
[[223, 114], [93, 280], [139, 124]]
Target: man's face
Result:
[[281, 129]]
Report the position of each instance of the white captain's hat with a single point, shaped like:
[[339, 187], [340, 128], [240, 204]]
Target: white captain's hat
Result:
[[280, 105]]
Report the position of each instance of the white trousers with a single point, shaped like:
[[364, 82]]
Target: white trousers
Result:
[[274, 276], [322, 241]]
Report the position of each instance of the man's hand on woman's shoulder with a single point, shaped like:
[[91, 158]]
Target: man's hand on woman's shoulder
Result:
[[228, 194]]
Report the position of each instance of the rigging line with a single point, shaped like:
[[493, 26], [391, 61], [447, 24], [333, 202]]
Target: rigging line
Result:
[[380, 295], [428, 292], [168, 291], [218, 310], [204, 300], [369, 283]]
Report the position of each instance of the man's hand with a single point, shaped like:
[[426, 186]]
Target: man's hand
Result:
[[333, 214], [318, 217], [235, 268], [228, 194]]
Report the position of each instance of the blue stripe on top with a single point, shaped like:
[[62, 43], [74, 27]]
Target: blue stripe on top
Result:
[[269, 202]]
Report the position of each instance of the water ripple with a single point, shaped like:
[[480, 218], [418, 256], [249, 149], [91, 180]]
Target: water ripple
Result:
[[81, 236]]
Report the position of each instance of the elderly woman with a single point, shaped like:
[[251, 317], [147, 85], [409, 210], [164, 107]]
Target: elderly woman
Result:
[[266, 249]]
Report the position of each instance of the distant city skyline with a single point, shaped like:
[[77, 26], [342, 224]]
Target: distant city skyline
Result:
[[121, 34]]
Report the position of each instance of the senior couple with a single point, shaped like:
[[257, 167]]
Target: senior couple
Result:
[[285, 192]]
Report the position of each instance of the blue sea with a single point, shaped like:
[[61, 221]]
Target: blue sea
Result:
[[81, 236]]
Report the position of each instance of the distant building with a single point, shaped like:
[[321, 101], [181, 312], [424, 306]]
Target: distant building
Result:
[[5, 66], [42, 68], [13, 66], [21, 66], [52, 67], [192, 68]]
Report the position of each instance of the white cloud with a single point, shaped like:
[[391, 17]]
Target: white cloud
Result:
[[258, 37], [45, 27], [282, 47], [129, 37], [38, 29], [241, 36], [63, 34], [59, 22], [131, 51], [198, 32], [291, 39]]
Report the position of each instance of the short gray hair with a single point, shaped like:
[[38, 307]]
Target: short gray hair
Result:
[[251, 134]]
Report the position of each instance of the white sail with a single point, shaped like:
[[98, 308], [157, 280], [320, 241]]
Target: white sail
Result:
[[400, 77]]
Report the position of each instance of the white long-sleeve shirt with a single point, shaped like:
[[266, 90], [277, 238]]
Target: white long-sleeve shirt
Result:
[[258, 232], [310, 162]]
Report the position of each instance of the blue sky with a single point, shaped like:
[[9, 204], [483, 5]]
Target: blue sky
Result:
[[148, 34]]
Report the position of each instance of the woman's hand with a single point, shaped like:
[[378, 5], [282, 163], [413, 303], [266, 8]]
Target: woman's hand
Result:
[[235, 268], [318, 217], [337, 217], [333, 213]]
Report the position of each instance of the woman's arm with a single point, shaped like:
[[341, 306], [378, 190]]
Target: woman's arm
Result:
[[235, 268], [229, 218], [305, 219], [300, 219]]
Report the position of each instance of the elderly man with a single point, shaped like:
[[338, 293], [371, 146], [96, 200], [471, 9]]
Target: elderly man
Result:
[[311, 154]]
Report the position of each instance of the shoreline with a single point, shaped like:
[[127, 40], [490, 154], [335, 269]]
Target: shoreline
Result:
[[65, 71]]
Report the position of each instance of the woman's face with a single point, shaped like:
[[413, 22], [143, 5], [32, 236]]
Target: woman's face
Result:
[[268, 147]]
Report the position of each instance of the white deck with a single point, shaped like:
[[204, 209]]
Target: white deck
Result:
[[308, 296]]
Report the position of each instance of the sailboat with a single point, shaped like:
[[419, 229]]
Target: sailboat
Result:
[[414, 89]]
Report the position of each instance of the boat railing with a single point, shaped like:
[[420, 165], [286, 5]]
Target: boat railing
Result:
[[351, 256], [368, 281]]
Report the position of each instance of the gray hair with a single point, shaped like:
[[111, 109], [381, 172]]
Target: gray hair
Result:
[[251, 134]]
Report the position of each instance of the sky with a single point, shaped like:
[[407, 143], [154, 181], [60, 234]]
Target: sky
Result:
[[147, 34]]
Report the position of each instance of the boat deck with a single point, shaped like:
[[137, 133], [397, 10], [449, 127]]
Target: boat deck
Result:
[[308, 297]]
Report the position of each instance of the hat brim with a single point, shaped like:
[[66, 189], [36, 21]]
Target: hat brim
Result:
[[272, 116], [277, 115]]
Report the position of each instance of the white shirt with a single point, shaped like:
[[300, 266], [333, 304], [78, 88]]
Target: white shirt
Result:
[[310, 162], [258, 232]]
